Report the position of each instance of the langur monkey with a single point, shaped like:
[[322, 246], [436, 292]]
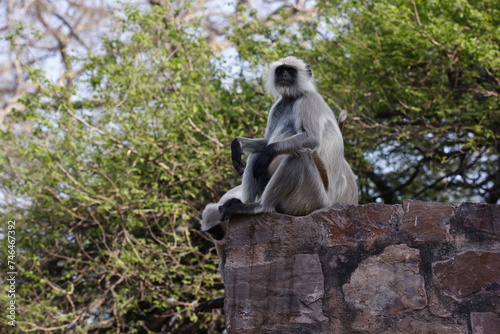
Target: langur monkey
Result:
[[211, 219], [215, 226], [299, 165]]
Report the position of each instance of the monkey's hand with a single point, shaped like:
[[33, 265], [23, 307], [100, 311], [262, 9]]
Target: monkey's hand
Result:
[[236, 153], [227, 209], [263, 161]]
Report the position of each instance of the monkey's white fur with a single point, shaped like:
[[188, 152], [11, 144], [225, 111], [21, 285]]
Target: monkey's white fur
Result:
[[304, 82], [308, 170], [211, 217]]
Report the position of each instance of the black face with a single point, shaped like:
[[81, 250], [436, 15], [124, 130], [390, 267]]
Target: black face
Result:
[[217, 232], [285, 75]]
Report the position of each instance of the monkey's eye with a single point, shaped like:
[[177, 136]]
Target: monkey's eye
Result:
[[200, 216]]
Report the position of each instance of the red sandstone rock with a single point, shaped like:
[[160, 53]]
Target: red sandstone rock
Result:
[[354, 225], [278, 292], [427, 221], [485, 323], [411, 326], [482, 217], [388, 283], [467, 273], [365, 269], [268, 280]]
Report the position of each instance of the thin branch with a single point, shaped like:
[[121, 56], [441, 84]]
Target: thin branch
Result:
[[212, 139], [416, 12], [119, 143]]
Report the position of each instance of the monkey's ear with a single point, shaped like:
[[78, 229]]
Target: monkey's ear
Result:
[[309, 72]]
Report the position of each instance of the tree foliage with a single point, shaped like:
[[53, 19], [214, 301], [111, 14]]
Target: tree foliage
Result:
[[110, 177], [420, 82], [105, 171]]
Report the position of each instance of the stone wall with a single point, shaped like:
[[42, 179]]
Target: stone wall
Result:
[[419, 267]]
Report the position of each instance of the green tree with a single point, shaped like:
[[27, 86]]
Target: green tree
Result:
[[107, 170], [111, 176], [420, 82]]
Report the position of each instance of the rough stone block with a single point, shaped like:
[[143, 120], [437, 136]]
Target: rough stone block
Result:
[[287, 290], [412, 326], [467, 273], [395, 283], [481, 217], [374, 268], [355, 225], [427, 221], [263, 238], [485, 323]]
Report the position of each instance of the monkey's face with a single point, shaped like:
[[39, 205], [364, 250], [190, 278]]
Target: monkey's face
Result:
[[212, 222], [285, 76], [218, 232], [289, 77]]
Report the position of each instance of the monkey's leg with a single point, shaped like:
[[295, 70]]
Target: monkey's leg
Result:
[[252, 187], [296, 188], [249, 183], [281, 184]]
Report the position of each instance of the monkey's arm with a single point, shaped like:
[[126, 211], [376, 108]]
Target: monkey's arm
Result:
[[251, 145], [294, 143], [286, 146], [241, 145], [311, 119]]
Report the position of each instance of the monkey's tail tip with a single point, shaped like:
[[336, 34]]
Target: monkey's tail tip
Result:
[[342, 116]]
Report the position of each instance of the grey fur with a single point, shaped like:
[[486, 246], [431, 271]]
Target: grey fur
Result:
[[211, 217], [300, 126]]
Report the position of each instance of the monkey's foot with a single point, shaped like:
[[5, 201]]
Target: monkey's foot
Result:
[[212, 304]]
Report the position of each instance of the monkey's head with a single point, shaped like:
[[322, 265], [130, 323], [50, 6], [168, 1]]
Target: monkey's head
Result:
[[290, 77], [212, 223]]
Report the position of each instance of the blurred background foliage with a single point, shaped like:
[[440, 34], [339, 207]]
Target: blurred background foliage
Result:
[[115, 121]]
